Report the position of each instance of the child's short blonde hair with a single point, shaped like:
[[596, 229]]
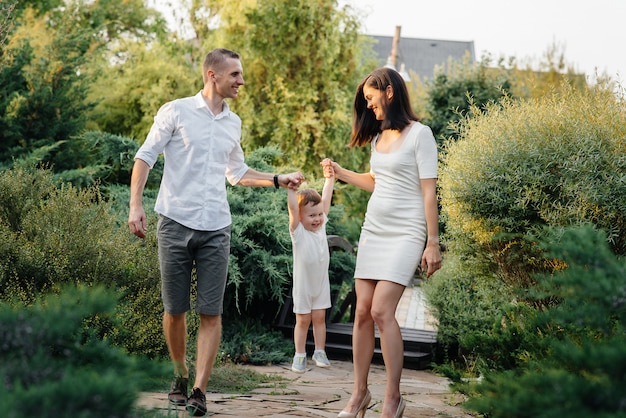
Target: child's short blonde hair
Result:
[[306, 196]]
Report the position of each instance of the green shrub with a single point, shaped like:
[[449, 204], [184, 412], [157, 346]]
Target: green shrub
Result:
[[577, 366], [100, 157], [466, 302], [524, 165], [22, 189], [516, 169], [54, 365], [249, 341], [57, 235]]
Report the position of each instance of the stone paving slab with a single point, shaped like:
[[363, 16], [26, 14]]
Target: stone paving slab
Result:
[[323, 393]]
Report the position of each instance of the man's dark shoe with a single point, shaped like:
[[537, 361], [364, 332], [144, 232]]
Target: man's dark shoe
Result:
[[178, 392], [196, 404]]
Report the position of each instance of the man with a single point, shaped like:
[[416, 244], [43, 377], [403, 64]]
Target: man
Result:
[[200, 139]]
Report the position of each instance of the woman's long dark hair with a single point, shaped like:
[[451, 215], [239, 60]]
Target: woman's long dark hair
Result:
[[398, 111]]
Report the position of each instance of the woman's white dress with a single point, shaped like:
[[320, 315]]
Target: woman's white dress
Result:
[[393, 235]]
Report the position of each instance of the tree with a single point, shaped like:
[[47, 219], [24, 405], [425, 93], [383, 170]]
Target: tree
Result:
[[455, 95], [47, 66], [302, 62], [143, 76], [40, 107]]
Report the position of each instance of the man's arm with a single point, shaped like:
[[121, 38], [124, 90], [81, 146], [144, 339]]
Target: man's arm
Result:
[[136, 215], [255, 178]]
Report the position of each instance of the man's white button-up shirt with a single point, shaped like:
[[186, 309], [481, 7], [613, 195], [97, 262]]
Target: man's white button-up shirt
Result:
[[200, 149]]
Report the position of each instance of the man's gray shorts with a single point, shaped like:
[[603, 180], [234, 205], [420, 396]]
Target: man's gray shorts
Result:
[[179, 248]]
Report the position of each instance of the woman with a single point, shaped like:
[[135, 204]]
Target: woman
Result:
[[400, 230]]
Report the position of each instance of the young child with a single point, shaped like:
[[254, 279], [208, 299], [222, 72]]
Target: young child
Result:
[[308, 215]]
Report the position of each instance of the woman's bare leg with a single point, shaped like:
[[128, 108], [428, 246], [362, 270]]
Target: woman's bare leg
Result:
[[362, 342], [384, 304]]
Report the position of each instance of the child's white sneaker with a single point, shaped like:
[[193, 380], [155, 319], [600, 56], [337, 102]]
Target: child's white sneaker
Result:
[[320, 358], [299, 364]]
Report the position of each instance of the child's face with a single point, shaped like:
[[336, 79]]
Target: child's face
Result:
[[312, 216]]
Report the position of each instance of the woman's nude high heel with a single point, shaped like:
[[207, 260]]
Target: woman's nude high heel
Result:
[[400, 410], [360, 413]]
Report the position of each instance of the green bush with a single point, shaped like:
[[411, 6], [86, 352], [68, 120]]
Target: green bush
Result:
[[53, 235], [518, 168], [461, 287], [525, 165], [577, 365], [99, 157], [249, 341], [58, 234], [54, 364], [461, 92]]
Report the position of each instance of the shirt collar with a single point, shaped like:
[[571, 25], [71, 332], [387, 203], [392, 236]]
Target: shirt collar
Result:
[[201, 103]]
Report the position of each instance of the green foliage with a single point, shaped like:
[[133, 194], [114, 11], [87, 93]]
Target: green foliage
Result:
[[461, 92], [251, 342], [53, 364], [20, 191], [463, 286], [302, 62], [106, 158], [49, 250], [578, 364], [517, 168], [520, 166], [144, 77], [38, 106], [52, 54], [57, 235]]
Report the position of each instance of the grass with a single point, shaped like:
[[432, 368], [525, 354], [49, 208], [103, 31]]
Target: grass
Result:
[[232, 378]]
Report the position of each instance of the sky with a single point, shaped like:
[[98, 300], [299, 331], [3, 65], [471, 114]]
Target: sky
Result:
[[590, 33]]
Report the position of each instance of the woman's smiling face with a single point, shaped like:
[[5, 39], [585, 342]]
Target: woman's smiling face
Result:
[[374, 99]]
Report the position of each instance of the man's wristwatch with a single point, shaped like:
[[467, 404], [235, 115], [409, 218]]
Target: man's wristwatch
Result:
[[276, 181]]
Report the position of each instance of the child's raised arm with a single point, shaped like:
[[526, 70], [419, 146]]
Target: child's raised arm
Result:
[[329, 183], [294, 212]]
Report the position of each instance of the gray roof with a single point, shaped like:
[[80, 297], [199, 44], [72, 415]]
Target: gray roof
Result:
[[422, 55]]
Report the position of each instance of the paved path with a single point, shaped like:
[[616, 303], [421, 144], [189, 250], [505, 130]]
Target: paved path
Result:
[[323, 393]]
